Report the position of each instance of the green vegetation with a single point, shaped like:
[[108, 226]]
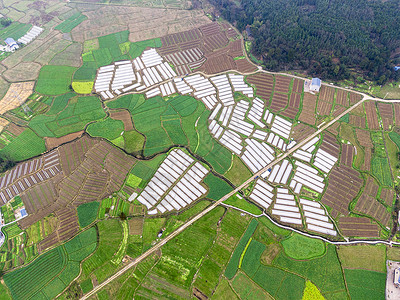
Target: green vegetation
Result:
[[243, 204], [247, 289], [109, 128], [87, 213], [99, 265], [67, 114], [133, 141], [52, 271], [238, 173], [14, 30], [379, 164], [329, 281], [369, 257], [133, 180], [363, 284], [217, 187], [24, 146], [299, 246], [311, 292], [233, 264], [224, 291], [70, 23], [54, 80]]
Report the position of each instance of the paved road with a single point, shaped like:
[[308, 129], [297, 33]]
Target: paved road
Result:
[[215, 204]]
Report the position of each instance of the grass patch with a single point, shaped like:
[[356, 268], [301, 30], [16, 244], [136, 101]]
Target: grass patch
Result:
[[247, 289], [109, 128], [224, 291], [301, 247], [363, 284], [133, 141], [70, 23], [87, 213], [24, 146], [238, 173], [370, 257], [217, 187], [243, 204], [54, 80], [233, 264]]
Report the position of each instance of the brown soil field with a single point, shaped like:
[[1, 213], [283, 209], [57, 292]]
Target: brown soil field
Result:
[[55, 142], [71, 56], [360, 227], [347, 155], [386, 112], [111, 19], [16, 95], [264, 84], [307, 114], [136, 225], [342, 98], [354, 98], [279, 102], [301, 131], [372, 115], [357, 121], [397, 113], [330, 145], [326, 94], [324, 108], [282, 83], [343, 186], [387, 196], [124, 116]]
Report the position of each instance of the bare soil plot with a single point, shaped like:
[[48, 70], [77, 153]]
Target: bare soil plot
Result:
[[330, 145], [71, 56], [307, 114], [244, 66], [372, 115], [217, 63], [338, 110], [124, 116], [347, 155], [16, 95], [367, 203], [342, 98], [136, 225], [278, 102], [15, 129], [386, 112], [324, 108], [397, 113], [327, 94], [301, 131], [282, 83], [357, 121], [298, 86], [334, 129], [23, 72], [387, 196], [343, 186], [364, 138], [110, 19], [293, 107], [354, 98], [264, 84], [55, 142], [360, 227]]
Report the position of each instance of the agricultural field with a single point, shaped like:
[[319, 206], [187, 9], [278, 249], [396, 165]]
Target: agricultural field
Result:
[[54, 80]]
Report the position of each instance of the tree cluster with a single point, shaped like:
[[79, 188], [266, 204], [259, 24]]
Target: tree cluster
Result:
[[330, 39]]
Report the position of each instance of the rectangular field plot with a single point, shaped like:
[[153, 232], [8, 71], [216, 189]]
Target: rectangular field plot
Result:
[[358, 227]]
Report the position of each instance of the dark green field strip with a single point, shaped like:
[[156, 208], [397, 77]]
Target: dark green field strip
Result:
[[233, 264], [70, 23], [363, 284]]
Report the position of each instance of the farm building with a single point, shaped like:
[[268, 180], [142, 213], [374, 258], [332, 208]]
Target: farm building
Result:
[[11, 45], [396, 278], [315, 85], [397, 68]]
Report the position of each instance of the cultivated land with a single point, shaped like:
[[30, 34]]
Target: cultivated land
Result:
[[157, 160]]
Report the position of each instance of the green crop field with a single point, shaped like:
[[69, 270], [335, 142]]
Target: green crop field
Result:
[[363, 284], [243, 204], [247, 289], [70, 114], [301, 247], [233, 264], [109, 128], [224, 291], [15, 30], [54, 80], [331, 280], [99, 264], [238, 172], [217, 187], [49, 274], [87, 213], [369, 257], [70, 23], [25, 146]]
